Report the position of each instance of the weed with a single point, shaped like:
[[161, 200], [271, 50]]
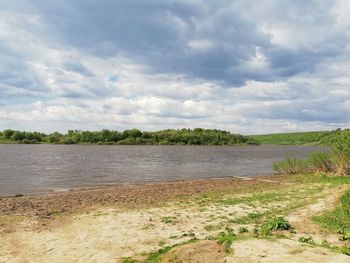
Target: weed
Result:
[[325, 243], [242, 230], [275, 224], [212, 227], [154, 257], [307, 240], [169, 220], [189, 234], [226, 239], [128, 260], [161, 243]]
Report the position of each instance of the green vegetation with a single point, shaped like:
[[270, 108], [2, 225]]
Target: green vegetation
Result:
[[309, 240], [226, 238], [155, 256], [302, 138], [289, 166], [274, 224], [338, 220], [337, 161], [242, 230], [196, 136]]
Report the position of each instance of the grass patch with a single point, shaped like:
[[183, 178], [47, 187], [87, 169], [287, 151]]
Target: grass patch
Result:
[[169, 220], [337, 220], [307, 240], [242, 230], [275, 224], [226, 239], [212, 227], [154, 257], [128, 260]]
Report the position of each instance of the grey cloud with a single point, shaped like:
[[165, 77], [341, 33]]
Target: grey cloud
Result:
[[157, 33]]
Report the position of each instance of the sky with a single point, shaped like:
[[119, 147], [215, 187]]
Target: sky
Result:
[[246, 66]]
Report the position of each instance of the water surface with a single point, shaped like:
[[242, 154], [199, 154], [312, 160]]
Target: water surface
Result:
[[35, 169]]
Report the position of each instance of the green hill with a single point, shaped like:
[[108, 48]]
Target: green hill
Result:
[[302, 138]]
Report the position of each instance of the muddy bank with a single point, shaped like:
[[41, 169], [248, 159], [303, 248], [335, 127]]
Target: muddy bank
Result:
[[124, 196]]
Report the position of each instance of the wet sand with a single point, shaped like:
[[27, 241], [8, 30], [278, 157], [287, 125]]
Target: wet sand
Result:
[[134, 196]]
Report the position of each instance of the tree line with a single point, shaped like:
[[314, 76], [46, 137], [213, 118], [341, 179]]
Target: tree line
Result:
[[197, 136]]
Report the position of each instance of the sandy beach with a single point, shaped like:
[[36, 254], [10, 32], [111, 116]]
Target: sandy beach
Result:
[[170, 222]]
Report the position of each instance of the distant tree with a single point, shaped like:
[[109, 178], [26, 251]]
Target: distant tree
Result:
[[8, 133], [133, 133], [54, 137]]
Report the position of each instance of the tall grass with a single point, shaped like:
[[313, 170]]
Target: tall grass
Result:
[[337, 161], [289, 166], [340, 156]]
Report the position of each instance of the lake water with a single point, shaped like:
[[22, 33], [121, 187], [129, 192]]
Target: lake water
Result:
[[35, 169]]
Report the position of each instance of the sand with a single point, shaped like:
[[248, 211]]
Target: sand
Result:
[[109, 225]]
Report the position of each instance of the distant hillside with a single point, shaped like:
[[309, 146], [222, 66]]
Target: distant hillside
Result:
[[302, 138]]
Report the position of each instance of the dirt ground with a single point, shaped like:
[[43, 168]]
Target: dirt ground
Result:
[[176, 220]]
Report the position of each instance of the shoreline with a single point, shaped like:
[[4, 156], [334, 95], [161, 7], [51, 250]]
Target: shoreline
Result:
[[124, 196], [62, 190]]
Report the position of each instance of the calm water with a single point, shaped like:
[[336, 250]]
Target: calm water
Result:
[[35, 169]]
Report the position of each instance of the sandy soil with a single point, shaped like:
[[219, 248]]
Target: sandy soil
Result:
[[109, 225]]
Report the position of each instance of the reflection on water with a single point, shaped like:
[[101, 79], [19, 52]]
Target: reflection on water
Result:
[[34, 169]]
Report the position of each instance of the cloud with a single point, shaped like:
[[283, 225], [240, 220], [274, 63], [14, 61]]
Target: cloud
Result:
[[243, 66]]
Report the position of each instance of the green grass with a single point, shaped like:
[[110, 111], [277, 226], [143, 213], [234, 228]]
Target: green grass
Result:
[[226, 239], [155, 256], [275, 224], [337, 220], [302, 138], [297, 138]]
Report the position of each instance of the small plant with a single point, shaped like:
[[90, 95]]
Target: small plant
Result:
[[226, 239], [211, 227], [344, 250], [189, 234], [168, 220], [161, 243], [210, 237], [275, 224], [345, 236], [325, 243], [256, 232], [307, 240], [128, 260], [242, 230]]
